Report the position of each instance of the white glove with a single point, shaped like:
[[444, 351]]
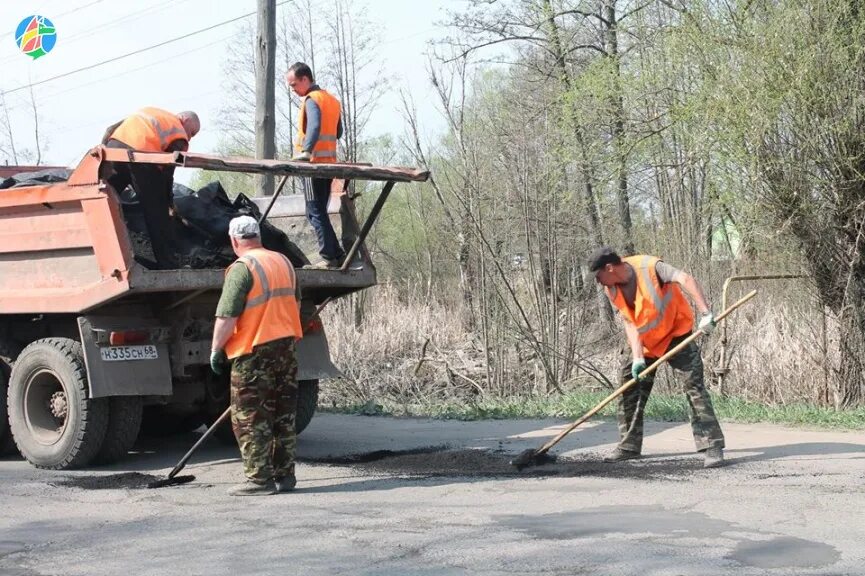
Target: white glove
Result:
[[707, 323]]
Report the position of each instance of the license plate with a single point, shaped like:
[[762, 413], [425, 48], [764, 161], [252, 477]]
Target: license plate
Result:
[[122, 353]]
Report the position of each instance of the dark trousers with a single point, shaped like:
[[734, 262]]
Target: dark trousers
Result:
[[317, 193], [704, 423], [153, 188]]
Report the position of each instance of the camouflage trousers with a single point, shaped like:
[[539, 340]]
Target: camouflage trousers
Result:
[[704, 424], [263, 409]]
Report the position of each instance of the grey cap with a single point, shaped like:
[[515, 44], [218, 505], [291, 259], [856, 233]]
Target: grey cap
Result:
[[243, 227]]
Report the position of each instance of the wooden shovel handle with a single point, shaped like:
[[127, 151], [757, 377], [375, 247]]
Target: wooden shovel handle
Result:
[[621, 389]]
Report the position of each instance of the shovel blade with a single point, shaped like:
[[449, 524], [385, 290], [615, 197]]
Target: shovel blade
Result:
[[531, 457], [173, 481]]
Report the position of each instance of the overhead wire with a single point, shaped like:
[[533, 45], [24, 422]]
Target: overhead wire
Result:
[[97, 29], [108, 121], [56, 16], [43, 97], [133, 53], [80, 8]]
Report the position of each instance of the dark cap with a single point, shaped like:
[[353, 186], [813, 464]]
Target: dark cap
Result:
[[601, 257]]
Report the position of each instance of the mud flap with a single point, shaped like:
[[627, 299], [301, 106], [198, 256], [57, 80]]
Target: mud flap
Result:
[[313, 357], [141, 368]]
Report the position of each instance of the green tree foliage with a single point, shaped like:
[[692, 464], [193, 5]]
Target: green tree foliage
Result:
[[790, 100]]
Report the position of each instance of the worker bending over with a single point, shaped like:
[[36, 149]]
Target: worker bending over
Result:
[[152, 130], [648, 294]]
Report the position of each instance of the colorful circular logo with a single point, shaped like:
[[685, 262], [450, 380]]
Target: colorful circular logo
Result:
[[36, 36]]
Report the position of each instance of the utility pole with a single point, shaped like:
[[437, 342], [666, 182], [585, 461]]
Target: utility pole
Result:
[[265, 94]]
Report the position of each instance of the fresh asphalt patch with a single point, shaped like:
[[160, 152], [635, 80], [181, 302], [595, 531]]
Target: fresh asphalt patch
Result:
[[443, 462], [440, 461]]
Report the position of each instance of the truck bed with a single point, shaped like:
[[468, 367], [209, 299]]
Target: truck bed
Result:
[[65, 247]]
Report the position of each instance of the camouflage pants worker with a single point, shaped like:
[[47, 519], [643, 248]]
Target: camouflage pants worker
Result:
[[263, 409], [704, 424]]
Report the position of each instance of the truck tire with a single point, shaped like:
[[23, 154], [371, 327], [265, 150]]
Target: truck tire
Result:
[[124, 422], [7, 445], [7, 358], [54, 423], [307, 400]]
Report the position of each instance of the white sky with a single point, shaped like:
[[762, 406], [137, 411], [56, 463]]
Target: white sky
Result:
[[187, 74]]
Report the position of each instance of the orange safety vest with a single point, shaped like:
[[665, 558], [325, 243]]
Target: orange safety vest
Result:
[[660, 312], [271, 310], [150, 130], [325, 149]]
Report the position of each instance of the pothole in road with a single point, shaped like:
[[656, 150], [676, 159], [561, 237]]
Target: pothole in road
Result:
[[108, 481], [440, 461]]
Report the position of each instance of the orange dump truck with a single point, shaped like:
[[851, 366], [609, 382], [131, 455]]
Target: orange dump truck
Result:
[[92, 341]]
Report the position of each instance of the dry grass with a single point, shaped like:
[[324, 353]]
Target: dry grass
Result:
[[413, 356], [406, 351]]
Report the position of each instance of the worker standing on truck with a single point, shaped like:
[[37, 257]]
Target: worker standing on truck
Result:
[[319, 126], [152, 130], [257, 326], [648, 294]]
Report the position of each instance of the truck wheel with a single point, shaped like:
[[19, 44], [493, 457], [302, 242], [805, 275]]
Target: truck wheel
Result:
[[54, 423], [124, 422], [7, 356], [307, 400], [7, 445]]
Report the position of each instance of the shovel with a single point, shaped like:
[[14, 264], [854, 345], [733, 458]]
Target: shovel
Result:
[[537, 456], [173, 479]]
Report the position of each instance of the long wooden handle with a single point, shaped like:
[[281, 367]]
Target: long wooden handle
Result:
[[621, 389]]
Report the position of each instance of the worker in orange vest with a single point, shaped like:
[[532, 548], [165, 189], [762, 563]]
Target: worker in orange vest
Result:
[[648, 294], [152, 130], [257, 326], [319, 126]]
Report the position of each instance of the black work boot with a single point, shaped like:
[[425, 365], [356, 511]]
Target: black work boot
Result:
[[620, 454], [250, 488], [714, 458], [286, 483]]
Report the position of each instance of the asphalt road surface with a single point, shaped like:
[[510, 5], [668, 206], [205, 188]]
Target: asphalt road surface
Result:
[[423, 498]]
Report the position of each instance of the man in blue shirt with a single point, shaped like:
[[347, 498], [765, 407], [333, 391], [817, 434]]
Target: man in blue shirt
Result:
[[319, 126]]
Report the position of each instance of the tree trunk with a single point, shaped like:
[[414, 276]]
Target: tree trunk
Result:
[[619, 144], [593, 211], [851, 371]]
